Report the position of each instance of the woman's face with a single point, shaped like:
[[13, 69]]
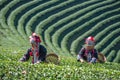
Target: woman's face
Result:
[[33, 45], [89, 47]]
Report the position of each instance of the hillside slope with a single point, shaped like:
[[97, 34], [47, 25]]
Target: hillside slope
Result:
[[68, 69]]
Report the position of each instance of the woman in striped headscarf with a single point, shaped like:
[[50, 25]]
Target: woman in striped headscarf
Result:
[[37, 51]]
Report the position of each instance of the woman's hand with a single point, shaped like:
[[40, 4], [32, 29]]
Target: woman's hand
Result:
[[81, 60]]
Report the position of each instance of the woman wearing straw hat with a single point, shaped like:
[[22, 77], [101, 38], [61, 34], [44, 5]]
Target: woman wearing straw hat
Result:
[[88, 52]]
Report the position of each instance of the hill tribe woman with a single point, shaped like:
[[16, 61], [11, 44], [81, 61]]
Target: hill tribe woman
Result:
[[38, 52], [88, 52]]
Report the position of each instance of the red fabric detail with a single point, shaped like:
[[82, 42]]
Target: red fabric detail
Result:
[[37, 54], [31, 54], [86, 52], [91, 38], [37, 39]]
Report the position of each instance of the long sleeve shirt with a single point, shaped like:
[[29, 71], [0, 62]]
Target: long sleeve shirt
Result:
[[84, 54]]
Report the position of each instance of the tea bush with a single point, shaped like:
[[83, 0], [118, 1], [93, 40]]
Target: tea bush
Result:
[[69, 68]]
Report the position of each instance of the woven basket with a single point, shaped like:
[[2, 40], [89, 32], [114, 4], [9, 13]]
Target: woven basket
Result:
[[52, 58], [101, 58]]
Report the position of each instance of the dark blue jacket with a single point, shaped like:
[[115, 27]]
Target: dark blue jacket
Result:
[[84, 53], [42, 54]]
